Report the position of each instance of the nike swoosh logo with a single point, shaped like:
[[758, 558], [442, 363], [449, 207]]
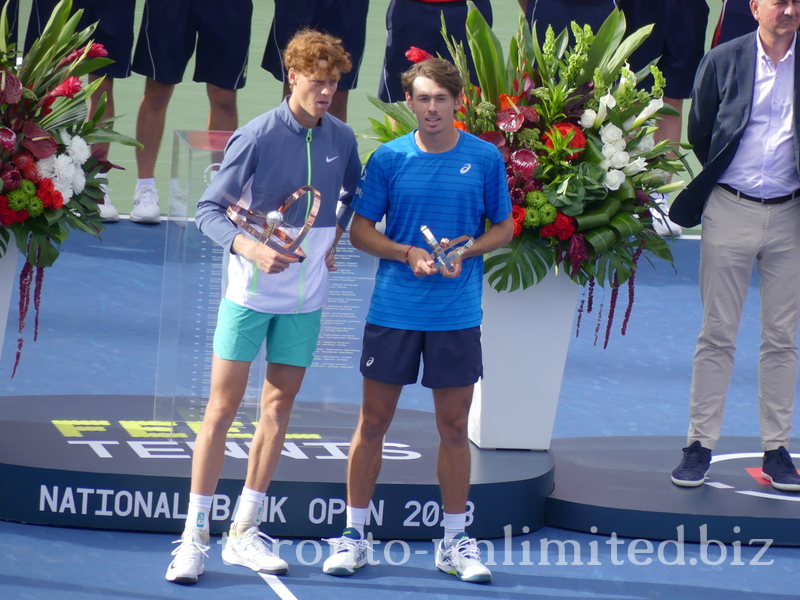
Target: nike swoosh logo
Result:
[[328, 159]]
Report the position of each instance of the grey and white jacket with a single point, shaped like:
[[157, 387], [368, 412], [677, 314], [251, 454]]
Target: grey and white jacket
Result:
[[265, 162]]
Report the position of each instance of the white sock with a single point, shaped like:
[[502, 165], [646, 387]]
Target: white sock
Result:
[[198, 513], [357, 518], [453, 525], [251, 504], [145, 183]]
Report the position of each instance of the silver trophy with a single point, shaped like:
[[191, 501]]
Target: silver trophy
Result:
[[272, 230], [445, 251]]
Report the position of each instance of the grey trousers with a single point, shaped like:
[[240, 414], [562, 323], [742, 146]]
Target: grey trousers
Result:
[[735, 233]]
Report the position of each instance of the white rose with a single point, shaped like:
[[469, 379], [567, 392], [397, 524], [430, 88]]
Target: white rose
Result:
[[614, 179], [634, 167], [619, 160], [587, 118], [610, 133], [605, 164], [645, 144], [610, 150]]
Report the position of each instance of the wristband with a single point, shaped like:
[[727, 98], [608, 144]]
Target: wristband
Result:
[[406, 257]]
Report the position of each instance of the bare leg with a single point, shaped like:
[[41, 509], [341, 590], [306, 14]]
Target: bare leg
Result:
[[280, 388], [452, 411], [669, 128], [222, 113], [228, 383], [364, 464], [150, 125]]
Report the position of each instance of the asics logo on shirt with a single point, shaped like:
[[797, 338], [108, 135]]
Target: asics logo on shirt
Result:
[[328, 159], [370, 360], [466, 168]]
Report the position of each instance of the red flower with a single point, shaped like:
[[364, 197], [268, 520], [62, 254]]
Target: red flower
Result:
[[577, 141], [416, 55], [95, 51], [507, 101], [47, 185], [32, 173], [8, 139], [518, 216], [11, 180], [460, 125], [70, 87], [562, 228], [38, 141], [10, 87], [23, 159]]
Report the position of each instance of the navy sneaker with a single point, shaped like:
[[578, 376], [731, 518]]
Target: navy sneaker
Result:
[[692, 470], [778, 469]]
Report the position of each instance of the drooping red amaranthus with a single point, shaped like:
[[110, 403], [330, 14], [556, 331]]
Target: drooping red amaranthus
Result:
[[25, 279], [629, 308], [611, 307]]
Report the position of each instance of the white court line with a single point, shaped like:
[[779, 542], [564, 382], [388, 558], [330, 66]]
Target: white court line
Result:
[[278, 587]]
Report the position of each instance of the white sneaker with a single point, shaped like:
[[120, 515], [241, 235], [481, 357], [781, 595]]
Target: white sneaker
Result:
[[248, 550], [145, 206], [187, 565], [108, 212], [462, 559], [348, 553], [661, 223]]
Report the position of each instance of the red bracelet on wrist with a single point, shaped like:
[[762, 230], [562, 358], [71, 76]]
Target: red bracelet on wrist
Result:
[[407, 251]]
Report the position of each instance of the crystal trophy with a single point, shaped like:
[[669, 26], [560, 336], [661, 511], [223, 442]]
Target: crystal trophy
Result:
[[272, 230], [445, 251]]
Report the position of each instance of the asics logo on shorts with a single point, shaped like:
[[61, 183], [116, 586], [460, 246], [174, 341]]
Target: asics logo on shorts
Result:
[[370, 360], [466, 168]]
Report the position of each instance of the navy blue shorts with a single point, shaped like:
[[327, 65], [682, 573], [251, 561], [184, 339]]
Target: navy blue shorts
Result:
[[114, 20], [735, 20], [413, 23], [172, 28], [451, 358], [560, 13], [679, 38], [344, 19]]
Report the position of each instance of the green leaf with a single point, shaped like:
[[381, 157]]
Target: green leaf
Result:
[[398, 111], [600, 214], [626, 225], [601, 239], [521, 264], [487, 55]]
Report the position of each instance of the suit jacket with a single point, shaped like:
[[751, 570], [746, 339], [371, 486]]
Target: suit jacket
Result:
[[721, 101]]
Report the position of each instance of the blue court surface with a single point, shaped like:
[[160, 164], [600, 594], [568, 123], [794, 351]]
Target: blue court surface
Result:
[[100, 322]]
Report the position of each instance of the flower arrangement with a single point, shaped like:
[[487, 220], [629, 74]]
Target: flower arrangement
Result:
[[51, 182], [576, 134]]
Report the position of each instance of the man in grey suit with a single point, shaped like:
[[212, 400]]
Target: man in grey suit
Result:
[[745, 128]]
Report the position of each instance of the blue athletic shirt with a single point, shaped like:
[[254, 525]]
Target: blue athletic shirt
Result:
[[453, 193]]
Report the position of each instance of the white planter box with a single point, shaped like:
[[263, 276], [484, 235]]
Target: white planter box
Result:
[[525, 337]]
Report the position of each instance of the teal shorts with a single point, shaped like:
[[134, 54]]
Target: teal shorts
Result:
[[291, 339]]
